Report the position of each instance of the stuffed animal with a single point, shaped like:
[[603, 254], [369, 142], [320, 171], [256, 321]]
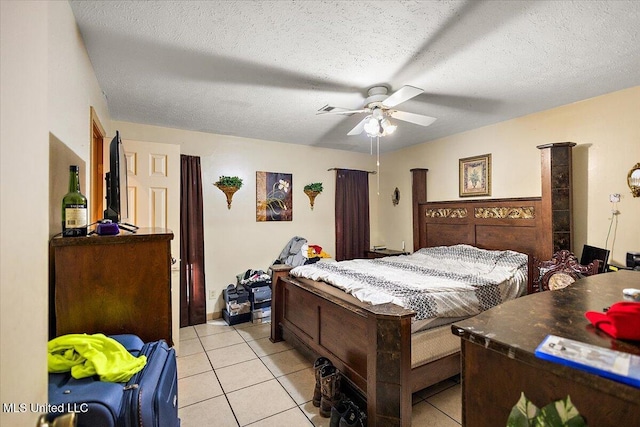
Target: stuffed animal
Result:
[[316, 251]]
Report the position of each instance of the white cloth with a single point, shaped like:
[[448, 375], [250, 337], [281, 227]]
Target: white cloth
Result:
[[445, 281]]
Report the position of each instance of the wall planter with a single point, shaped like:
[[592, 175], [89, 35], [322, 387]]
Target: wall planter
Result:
[[229, 185], [312, 190]]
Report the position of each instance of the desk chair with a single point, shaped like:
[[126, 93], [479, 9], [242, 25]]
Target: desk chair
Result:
[[561, 270]]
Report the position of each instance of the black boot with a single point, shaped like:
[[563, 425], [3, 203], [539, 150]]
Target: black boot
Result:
[[330, 388], [338, 411], [317, 366], [354, 417]]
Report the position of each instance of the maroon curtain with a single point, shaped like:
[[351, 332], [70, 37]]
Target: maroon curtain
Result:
[[352, 214], [193, 304]]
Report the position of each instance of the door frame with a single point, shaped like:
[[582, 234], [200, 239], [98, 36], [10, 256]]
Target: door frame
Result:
[[97, 135]]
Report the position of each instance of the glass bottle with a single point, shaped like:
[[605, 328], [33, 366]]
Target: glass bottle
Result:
[[74, 207]]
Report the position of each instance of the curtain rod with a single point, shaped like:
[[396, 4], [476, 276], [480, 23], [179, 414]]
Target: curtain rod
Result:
[[335, 169]]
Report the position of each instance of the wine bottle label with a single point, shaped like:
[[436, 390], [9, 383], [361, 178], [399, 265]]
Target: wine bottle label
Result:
[[75, 217]]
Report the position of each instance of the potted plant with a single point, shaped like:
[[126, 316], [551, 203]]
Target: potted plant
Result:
[[312, 190], [229, 185], [560, 413]]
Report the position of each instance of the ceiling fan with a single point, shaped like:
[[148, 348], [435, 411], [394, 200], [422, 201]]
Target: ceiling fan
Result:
[[379, 107]]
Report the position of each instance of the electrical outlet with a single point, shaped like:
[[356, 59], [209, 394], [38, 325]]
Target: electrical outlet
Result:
[[614, 198], [212, 294]]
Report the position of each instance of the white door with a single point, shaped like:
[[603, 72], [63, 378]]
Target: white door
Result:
[[154, 201]]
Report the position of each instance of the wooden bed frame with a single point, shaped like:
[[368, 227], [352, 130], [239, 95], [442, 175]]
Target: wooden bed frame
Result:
[[371, 344]]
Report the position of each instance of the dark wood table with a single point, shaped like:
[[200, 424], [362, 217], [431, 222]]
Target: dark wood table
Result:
[[381, 253], [498, 360]]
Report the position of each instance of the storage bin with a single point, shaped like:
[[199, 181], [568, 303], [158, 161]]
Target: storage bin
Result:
[[261, 315], [234, 308], [260, 294], [234, 320]]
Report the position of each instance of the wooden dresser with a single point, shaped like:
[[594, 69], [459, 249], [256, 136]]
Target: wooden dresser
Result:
[[112, 284], [498, 360]]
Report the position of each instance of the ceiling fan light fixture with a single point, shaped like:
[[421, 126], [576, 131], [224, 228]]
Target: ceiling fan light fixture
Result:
[[372, 127], [380, 108], [388, 127]]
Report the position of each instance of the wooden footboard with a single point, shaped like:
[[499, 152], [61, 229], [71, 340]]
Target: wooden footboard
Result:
[[370, 345]]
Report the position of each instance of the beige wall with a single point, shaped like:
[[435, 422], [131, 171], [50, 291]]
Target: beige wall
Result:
[[24, 204], [608, 137], [73, 89], [234, 241], [48, 85]]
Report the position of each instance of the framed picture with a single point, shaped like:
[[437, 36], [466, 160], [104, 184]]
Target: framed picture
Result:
[[273, 196], [475, 176]]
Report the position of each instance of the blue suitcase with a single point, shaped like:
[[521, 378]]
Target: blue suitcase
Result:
[[149, 399]]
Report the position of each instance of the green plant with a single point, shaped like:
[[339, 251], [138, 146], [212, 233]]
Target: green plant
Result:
[[229, 181], [316, 186], [560, 413]]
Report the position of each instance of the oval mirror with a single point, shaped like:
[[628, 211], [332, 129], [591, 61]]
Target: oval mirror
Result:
[[633, 179]]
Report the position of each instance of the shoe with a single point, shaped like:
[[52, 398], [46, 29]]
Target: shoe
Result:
[[338, 411], [317, 366], [354, 417], [230, 294], [242, 294], [330, 389]]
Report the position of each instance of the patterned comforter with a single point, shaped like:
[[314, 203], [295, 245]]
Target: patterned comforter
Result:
[[445, 281]]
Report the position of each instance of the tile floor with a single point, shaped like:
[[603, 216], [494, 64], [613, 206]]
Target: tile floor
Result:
[[235, 376]]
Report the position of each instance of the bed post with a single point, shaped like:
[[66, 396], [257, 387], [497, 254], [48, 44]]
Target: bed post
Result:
[[277, 302], [556, 232], [389, 366], [418, 195]]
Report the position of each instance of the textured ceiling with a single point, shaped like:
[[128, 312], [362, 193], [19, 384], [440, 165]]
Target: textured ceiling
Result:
[[261, 69]]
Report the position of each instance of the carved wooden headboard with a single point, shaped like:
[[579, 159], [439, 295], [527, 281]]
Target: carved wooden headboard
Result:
[[490, 224], [536, 226], [496, 224]]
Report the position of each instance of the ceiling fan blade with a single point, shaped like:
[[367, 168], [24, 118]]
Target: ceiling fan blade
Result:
[[359, 127], [328, 109], [417, 119], [346, 112], [403, 94]]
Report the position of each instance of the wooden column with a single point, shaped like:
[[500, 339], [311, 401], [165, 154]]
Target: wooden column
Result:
[[556, 197], [418, 195]]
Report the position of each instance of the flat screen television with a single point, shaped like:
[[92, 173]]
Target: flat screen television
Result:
[[117, 198], [591, 253]]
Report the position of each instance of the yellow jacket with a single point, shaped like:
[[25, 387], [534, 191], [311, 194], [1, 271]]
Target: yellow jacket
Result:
[[87, 355]]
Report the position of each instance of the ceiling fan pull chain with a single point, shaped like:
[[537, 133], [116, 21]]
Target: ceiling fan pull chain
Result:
[[378, 163]]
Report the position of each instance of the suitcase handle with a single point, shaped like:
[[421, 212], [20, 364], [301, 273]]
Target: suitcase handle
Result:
[[66, 420]]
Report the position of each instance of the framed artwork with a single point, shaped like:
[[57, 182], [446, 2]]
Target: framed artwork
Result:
[[475, 176], [274, 196]]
